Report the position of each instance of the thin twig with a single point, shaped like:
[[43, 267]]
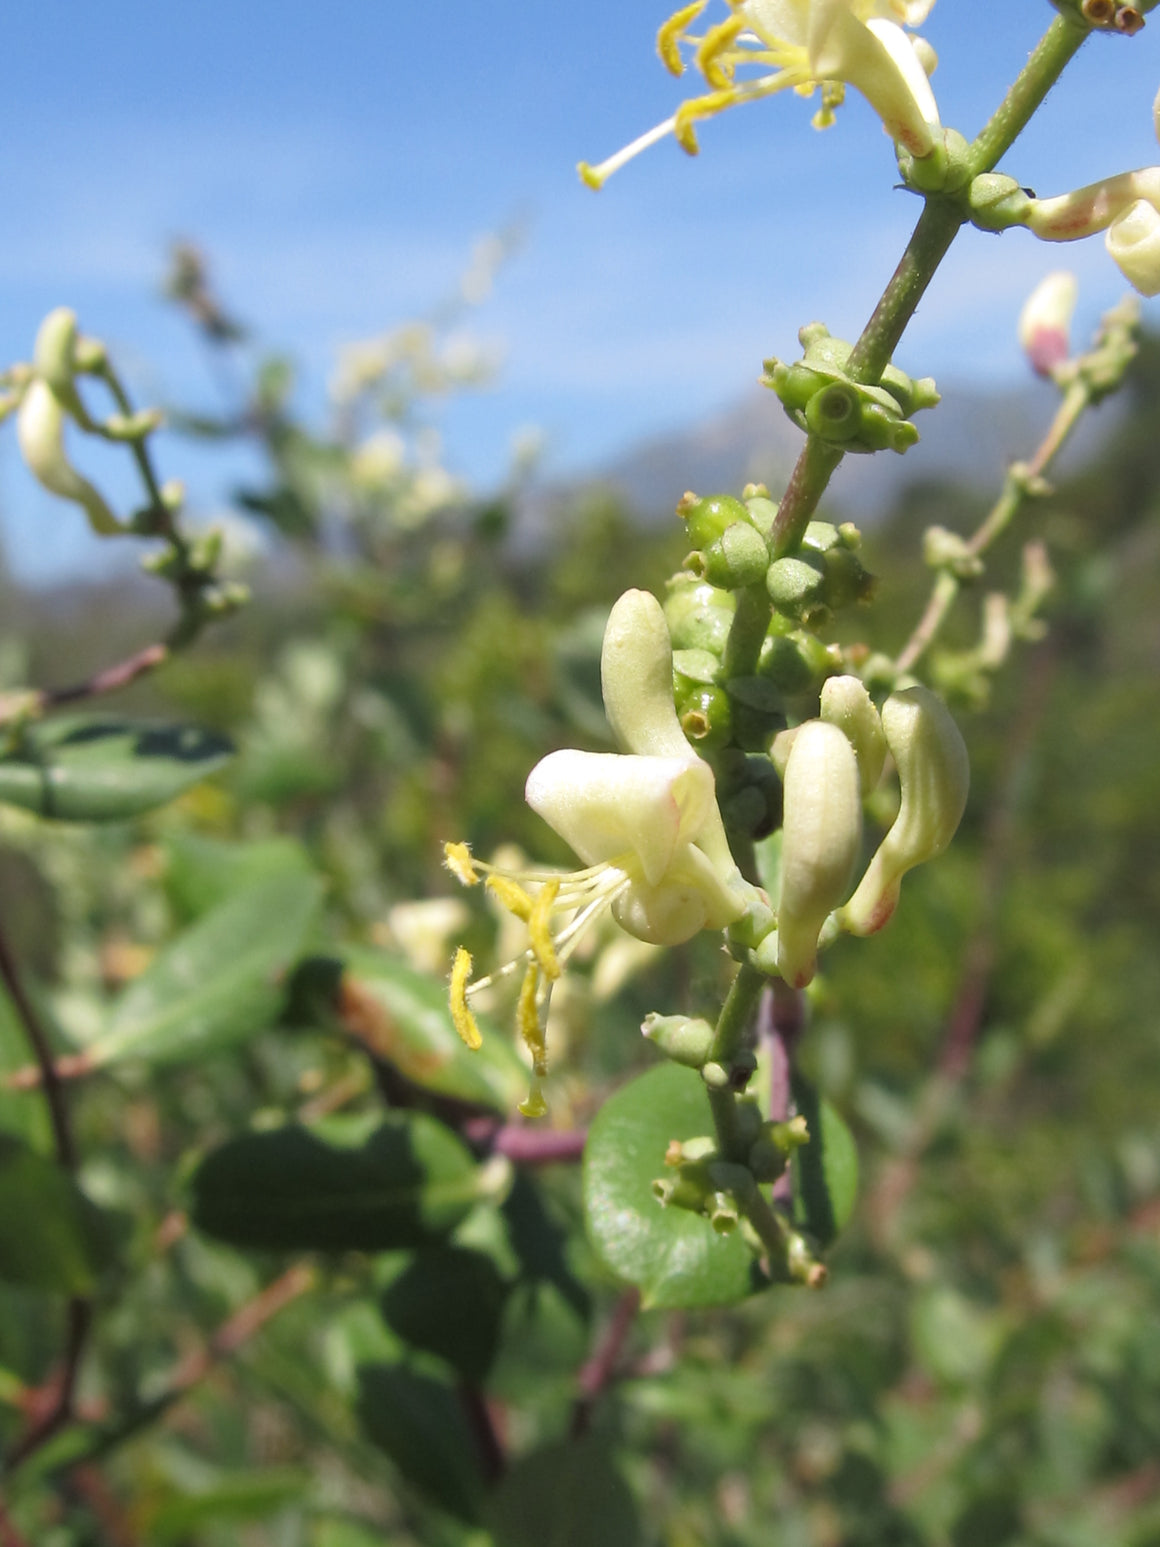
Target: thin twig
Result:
[[48, 1076], [232, 1335], [601, 1369], [525, 1145]]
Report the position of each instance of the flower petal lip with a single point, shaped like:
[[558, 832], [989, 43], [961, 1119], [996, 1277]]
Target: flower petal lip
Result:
[[607, 806]]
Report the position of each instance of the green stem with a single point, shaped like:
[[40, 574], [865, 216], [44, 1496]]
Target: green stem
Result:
[[937, 228], [731, 1035], [1017, 487], [1055, 50]]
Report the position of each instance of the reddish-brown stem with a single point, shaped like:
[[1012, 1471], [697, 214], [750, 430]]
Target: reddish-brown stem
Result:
[[524, 1145], [480, 1420], [239, 1329], [601, 1368], [109, 680], [56, 1409]]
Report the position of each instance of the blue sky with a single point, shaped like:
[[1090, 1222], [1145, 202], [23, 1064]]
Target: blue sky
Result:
[[339, 162]]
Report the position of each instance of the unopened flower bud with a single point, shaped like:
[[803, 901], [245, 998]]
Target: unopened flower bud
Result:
[[699, 616], [846, 704], [707, 519], [680, 1037], [1045, 321], [636, 671], [737, 558], [821, 837], [934, 773], [54, 353], [997, 201], [40, 431]]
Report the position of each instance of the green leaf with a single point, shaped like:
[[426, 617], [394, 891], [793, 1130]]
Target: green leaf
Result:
[[241, 1497], [825, 1171], [51, 1236], [219, 982], [201, 872], [566, 1495], [421, 1424], [104, 770], [410, 1182], [404, 1018], [674, 1257], [449, 1301]]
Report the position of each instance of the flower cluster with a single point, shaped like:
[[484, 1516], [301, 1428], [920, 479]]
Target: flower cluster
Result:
[[644, 820], [803, 46]]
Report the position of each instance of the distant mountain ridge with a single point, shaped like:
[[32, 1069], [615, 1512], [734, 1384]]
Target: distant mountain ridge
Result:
[[970, 438]]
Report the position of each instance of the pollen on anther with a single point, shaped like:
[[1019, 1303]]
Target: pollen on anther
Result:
[[465, 1023], [457, 858]]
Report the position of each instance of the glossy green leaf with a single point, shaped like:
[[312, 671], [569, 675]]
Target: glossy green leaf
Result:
[[449, 1301], [566, 1495], [421, 1424], [220, 982], [51, 1236], [88, 769], [407, 1183], [201, 872], [825, 1171], [673, 1256], [404, 1018]]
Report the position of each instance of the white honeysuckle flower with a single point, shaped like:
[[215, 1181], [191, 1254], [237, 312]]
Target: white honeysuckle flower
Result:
[[637, 820], [799, 45], [1126, 207], [644, 821]]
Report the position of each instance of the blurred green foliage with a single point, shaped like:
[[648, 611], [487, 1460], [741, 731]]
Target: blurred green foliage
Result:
[[390, 1364]]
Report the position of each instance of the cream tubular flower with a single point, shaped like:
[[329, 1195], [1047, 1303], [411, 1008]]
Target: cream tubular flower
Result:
[[638, 820], [1127, 207], [804, 46], [644, 821]]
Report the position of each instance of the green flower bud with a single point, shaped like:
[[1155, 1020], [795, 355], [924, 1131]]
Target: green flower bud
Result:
[[706, 716], [846, 704], [795, 584], [40, 431], [763, 513], [796, 663], [847, 580], [821, 838], [997, 202], [943, 170], [934, 773], [834, 412], [679, 1037], [943, 549], [689, 1189], [699, 615], [737, 558], [749, 794], [708, 519], [757, 712]]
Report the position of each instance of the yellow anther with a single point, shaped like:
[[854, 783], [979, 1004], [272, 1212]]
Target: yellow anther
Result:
[[457, 858], [670, 35], [539, 930], [716, 69], [460, 1013], [589, 176], [694, 110], [511, 895]]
